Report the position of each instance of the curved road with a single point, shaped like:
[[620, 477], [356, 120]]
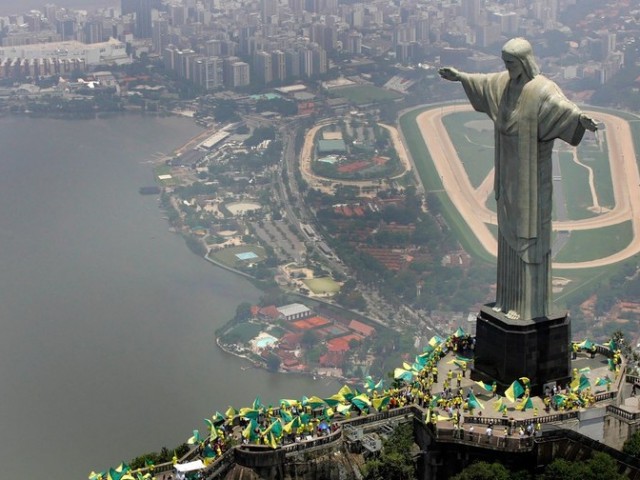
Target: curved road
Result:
[[470, 202]]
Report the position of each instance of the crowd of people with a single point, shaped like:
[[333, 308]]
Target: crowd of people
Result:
[[438, 391]]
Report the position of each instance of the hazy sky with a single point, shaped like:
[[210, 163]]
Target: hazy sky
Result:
[[21, 6]]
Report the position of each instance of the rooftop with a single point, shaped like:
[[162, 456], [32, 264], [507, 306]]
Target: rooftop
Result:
[[293, 309]]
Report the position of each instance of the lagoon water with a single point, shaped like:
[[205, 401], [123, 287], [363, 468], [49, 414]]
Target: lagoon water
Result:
[[106, 319]]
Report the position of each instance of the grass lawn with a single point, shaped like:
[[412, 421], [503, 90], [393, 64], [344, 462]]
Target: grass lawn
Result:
[[322, 285], [362, 94], [277, 332], [424, 164], [635, 132], [228, 255], [598, 160], [575, 182], [474, 147], [243, 332], [591, 244], [164, 170], [491, 203]]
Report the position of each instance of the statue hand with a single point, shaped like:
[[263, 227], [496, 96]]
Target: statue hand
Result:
[[588, 123], [450, 73]]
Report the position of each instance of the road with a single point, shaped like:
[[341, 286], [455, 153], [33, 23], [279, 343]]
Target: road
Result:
[[471, 203], [288, 132]]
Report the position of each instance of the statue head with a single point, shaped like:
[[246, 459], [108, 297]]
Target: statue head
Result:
[[520, 49]]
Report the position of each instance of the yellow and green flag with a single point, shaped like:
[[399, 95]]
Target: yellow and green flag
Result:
[[474, 402], [484, 386], [525, 403], [514, 391]]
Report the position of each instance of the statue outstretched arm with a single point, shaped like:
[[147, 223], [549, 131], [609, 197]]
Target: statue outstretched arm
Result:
[[450, 73], [588, 123]]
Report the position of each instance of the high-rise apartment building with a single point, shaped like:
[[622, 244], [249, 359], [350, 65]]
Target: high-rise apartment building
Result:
[[50, 11], [324, 36], [208, 72], [235, 72], [278, 65], [262, 67], [353, 42], [506, 21], [296, 6], [143, 19], [213, 48], [292, 63], [93, 31], [269, 10], [178, 15], [183, 63], [169, 57], [160, 34], [128, 6], [471, 11], [67, 28]]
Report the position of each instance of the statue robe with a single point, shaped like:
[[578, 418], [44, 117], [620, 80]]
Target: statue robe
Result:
[[525, 127]]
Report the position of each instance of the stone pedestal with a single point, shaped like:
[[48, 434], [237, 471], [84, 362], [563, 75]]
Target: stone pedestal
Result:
[[508, 349]]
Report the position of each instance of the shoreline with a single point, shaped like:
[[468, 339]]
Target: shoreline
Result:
[[262, 366]]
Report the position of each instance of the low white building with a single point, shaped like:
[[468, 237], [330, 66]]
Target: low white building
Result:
[[294, 311], [110, 52]]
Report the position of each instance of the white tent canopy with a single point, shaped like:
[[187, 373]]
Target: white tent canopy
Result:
[[189, 466]]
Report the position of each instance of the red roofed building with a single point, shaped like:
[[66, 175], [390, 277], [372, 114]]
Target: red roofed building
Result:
[[332, 359], [361, 328], [290, 341], [341, 344], [290, 364], [269, 313], [289, 361]]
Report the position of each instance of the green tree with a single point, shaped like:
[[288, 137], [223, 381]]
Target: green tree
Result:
[[396, 461], [273, 362], [600, 466], [226, 111], [243, 312], [597, 467], [484, 471], [308, 339], [632, 445]]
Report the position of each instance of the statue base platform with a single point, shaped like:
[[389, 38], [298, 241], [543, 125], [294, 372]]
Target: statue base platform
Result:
[[508, 349]]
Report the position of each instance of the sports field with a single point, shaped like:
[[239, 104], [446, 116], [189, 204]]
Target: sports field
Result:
[[363, 94], [598, 243], [163, 171], [322, 285], [473, 142], [239, 256], [592, 189]]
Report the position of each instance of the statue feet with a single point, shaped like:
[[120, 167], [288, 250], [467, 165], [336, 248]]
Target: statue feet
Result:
[[496, 308], [513, 315]]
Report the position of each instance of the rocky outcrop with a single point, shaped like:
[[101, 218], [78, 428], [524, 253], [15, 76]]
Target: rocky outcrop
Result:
[[334, 464]]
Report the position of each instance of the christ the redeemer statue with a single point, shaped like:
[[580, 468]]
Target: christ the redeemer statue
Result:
[[529, 112]]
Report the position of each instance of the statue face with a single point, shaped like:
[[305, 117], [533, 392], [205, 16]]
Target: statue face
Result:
[[513, 65]]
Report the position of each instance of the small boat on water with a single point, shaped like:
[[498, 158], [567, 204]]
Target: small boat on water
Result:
[[150, 190]]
